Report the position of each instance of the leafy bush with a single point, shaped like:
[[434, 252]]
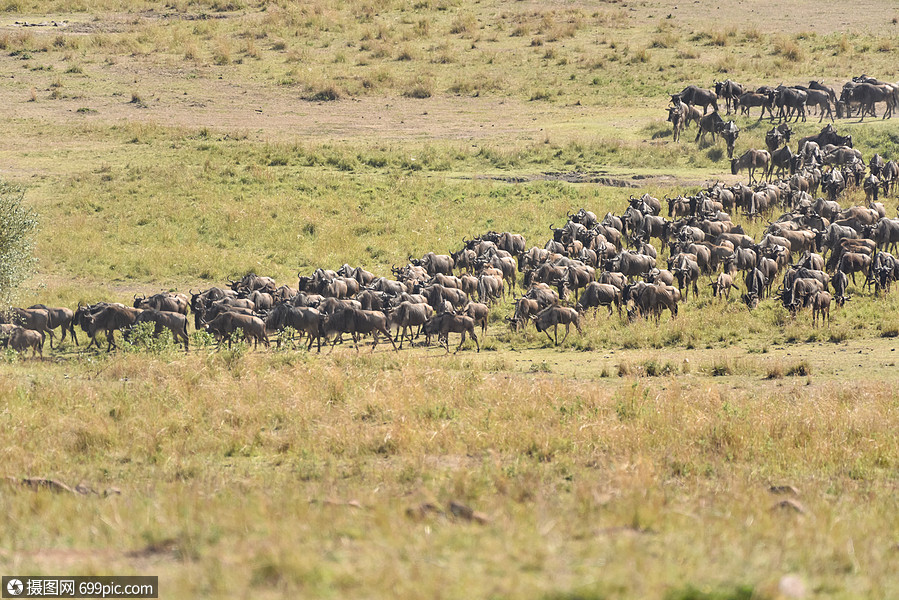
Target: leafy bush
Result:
[[16, 243]]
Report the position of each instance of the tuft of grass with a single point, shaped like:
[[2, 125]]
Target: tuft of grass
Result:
[[799, 369], [328, 93], [788, 49], [722, 367], [464, 24], [419, 89]]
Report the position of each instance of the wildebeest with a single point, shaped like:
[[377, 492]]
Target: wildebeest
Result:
[[524, 308], [356, 321], [175, 322], [886, 234], [730, 91], [252, 282], [448, 323], [630, 264], [840, 284], [751, 160], [790, 101], [37, 319], [721, 286], [711, 123], [751, 100], [406, 316], [702, 97], [555, 315], [479, 312], [599, 294], [21, 340], [109, 319], [853, 262], [820, 303], [676, 118], [730, 132], [61, 317], [303, 319], [164, 301], [227, 323], [435, 263], [651, 300]]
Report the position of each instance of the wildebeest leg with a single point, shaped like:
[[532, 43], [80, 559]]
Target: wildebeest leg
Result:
[[461, 341], [333, 344], [546, 331], [567, 331], [387, 334]]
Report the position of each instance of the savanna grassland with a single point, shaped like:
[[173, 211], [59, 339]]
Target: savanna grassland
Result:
[[171, 146]]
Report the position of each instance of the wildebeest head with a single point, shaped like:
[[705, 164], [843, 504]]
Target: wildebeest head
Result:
[[751, 300]]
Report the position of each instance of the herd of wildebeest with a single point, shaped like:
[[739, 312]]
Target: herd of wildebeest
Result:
[[858, 98], [813, 248]]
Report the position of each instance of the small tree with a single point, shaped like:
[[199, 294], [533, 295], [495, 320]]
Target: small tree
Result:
[[17, 225]]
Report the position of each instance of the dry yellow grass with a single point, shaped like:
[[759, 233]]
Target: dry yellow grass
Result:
[[268, 474]]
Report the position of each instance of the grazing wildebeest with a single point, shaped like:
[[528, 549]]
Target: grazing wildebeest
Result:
[[524, 308], [175, 322], [110, 318], [840, 284], [555, 315], [21, 339], [721, 286], [303, 319]]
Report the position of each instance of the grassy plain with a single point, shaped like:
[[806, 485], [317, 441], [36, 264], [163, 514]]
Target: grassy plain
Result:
[[169, 147]]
